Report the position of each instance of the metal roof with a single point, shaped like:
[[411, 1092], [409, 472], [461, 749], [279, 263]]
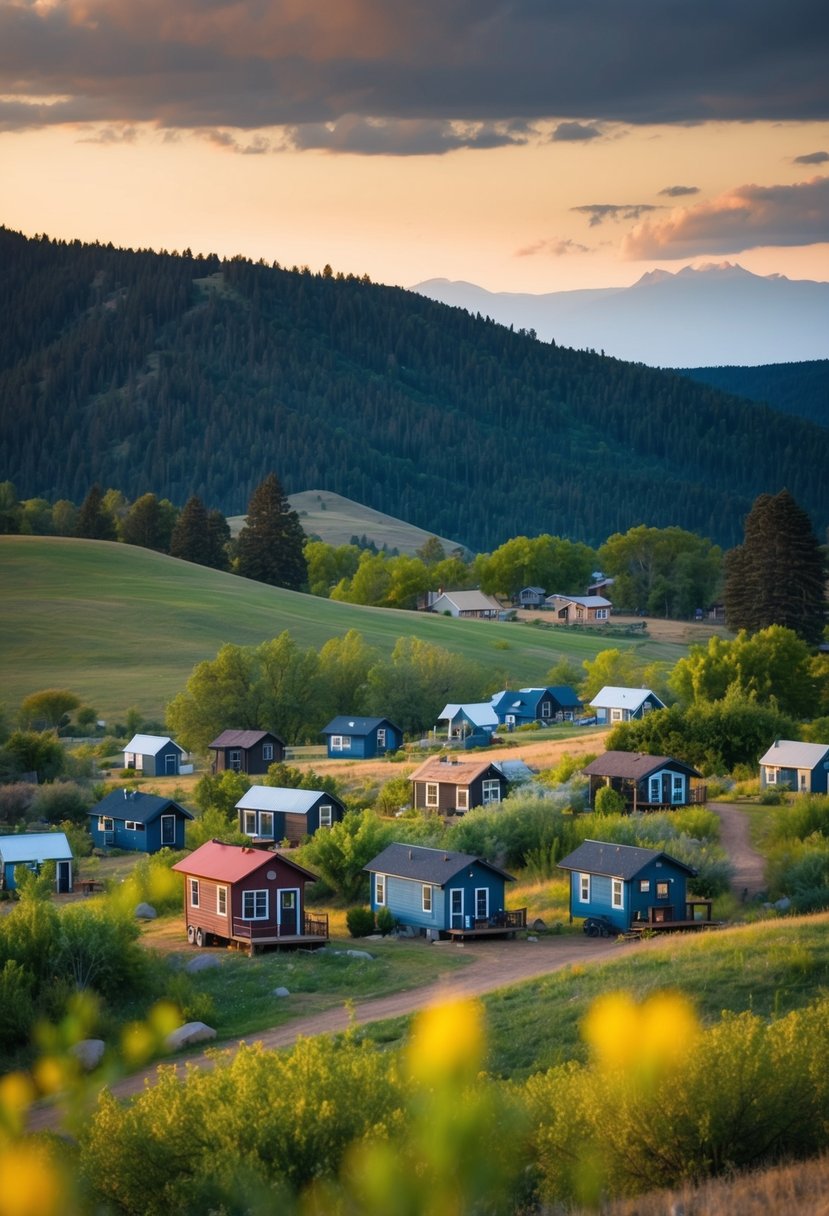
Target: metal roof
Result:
[[242, 738], [34, 846], [788, 753], [586, 601], [345, 725], [435, 866], [616, 860], [149, 745], [277, 798], [611, 697], [479, 713], [232, 862]]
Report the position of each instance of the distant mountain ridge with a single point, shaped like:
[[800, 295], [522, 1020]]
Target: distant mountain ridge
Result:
[[712, 315]]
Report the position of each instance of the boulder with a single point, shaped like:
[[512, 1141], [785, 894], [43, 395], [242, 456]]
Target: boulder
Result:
[[190, 1032], [145, 912], [88, 1053], [202, 962], [359, 954], [538, 925], [280, 992], [783, 905]]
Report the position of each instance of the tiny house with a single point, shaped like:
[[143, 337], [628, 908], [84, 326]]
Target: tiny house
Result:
[[246, 751], [153, 756], [34, 850], [802, 767], [353, 738], [271, 814], [449, 786], [131, 819], [645, 782]]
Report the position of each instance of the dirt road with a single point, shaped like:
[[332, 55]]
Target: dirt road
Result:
[[749, 866]]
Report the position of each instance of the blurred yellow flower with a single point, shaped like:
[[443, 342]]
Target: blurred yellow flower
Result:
[[30, 1184], [447, 1041], [17, 1092], [624, 1034], [51, 1074]]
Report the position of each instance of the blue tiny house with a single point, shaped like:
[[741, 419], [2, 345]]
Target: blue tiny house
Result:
[[273, 814], [645, 782], [353, 738], [614, 704], [521, 706], [802, 767], [435, 892], [630, 886], [139, 822], [34, 850], [153, 756]]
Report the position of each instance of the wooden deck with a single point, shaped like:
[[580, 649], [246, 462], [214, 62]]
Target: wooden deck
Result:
[[504, 924], [661, 919], [249, 934]]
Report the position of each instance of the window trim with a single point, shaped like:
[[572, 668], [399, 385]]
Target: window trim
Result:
[[248, 821], [326, 815], [106, 824], [771, 775], [167, 818], [234, 759], [267, 751], [432, 794], [263, 815], [584, 888], [341, 743], [617, 894], [255, 895], [132, 825], [194, 892], [490, 791], [462, 798], [426, 902], [221, 901], [381, 736], [482, 891], [380, 890]]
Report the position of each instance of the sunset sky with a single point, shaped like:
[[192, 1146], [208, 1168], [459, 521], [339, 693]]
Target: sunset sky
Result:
[[525, 145]]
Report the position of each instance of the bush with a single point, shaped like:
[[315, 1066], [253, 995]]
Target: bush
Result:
[[63, 800], [386, 921], [608, 801], [15, 800], [360, 921]]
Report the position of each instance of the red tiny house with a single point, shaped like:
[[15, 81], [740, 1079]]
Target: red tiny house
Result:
[[247, 896]]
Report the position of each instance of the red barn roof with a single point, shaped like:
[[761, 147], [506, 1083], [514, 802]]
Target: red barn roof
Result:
[[232, 862]]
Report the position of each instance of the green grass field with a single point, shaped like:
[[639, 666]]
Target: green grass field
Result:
[[123, 626]]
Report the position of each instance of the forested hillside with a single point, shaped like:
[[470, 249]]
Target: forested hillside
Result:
[[183, 375], [794, 388]]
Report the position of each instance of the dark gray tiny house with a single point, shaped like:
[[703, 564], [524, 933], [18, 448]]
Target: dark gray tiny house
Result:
[[273, 814], [131, 819], [246, 751], [645, 782]]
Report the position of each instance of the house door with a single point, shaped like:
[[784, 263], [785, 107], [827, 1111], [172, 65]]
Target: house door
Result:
[[456, 908], [168, 830], [64, 877], [288, 901], [171, 764]]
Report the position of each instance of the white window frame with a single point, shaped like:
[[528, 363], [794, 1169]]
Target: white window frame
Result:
[[644, 886], [381, 736], [221, 901], [194, 892], [771, 775], [490, 791], [380, 890], [432, 794], [326, 815], [462, 798], [267, 751], [655, 788], [132, 825], [234, 759], [105, 824], [341, 743], [601, 614], [479, 914], [584, 888], [617, 893], [617, 715], [264, 816], [255, 904], [249, 822], [546, 709], [426, 898], [677, 788]]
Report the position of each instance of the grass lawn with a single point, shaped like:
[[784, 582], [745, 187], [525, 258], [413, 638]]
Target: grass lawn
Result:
[[123, 626]]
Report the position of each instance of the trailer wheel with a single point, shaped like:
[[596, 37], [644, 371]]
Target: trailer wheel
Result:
[[201, 938], [191, 934], [593, 930]]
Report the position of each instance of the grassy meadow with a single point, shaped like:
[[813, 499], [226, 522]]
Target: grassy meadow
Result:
[[124, 626]]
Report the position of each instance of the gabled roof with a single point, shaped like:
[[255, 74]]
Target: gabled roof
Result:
[[34, 846], [479, 713], [535, 590], [435, 866], [788, 753], [232, 862], [633, 765], [566, 696], [242, 738], [352, 725], [451, 771], [611, 697], [616, 860], [469, 601], [586, 601], [149, 745], [289, 801], [137, 806]]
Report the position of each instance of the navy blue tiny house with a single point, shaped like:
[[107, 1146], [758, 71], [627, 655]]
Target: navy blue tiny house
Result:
[[521, 706], [361, 738], [133, 820], [629, 886], [435, 892], [802, 767]]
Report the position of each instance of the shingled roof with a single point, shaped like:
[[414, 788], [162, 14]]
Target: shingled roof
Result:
[[633, 766], [435, 866], [623, 861]]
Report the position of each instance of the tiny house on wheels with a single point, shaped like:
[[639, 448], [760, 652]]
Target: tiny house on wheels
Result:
[[248, 897]]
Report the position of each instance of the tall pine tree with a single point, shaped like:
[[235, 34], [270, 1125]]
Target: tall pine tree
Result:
[[270, 546], [94, 521], [777, 575], [191, 537]]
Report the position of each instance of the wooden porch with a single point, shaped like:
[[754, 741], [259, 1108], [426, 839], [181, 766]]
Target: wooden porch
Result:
[[254, 935], [502, 924], [663, 918]]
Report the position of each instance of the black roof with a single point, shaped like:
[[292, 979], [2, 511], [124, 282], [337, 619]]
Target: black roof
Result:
[[435, 866], [616, 860], [351, 724], [124, 803]]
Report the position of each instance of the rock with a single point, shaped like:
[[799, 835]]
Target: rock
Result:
[[202, 962], [783, 905], [538, 925], [190, 1032], [531, 938], [280, 992], [359, 954], [145, 912], [88, 1053]]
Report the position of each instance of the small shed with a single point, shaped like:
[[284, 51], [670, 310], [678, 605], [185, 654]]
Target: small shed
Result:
[[153, 755], [246, 751], [802, 767], [437, 892], [33, 850], [629, 886], [131, 819], [356, 738], [530, 597], [273, 814], [472, 724], [449, 786], [645, 782], [615, 704], [248, 897]]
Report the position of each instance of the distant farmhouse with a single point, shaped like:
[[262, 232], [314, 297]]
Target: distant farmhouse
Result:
[[579, 609], [469, 604]]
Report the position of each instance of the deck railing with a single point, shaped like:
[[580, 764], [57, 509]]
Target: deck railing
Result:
[[258, 930]]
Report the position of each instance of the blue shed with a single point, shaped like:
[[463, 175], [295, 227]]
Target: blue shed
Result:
[[131, 819], [629, 885], [361, 738], [33, 850], [438, 892], [275, 813], [802, 767], [153, 755]]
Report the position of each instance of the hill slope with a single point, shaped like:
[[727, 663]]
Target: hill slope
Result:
[[123, 626], [179, 375], [801, 389]]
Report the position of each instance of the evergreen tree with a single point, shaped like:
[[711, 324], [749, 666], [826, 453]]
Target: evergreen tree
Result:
[[94, 521], [777, 576], [218, 532], [191, 536], [271, 544]]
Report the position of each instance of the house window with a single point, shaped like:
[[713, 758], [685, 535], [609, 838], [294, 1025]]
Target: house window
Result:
[[267, 751], [250, 823], [131, 826], [616, 715], [644, 885], [662, 890], [482, 903], [326, 816], [266, 824], [341, 743], [462, 799], [601, 614], [381, 737], [380, 889], [803, 785], [771, 776], [221, 901], [105, 824], [491, 791], [678, 788], [194, 892], [655, 789], [426, 897], [234, 759], [546, 709], [168, 829], [431, 793], [617, 895], [254, 905], [584, 888]]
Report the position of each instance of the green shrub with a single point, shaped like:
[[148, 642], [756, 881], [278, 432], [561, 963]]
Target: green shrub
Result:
[[360, 921], [608, 801], [386, 921]]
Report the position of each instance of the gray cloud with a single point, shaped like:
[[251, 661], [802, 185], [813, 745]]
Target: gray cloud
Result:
[[574, 131], [812, 158], [552, 246], [745, 218], [403, 137], [248, 65], [599, 212], [679, 191]]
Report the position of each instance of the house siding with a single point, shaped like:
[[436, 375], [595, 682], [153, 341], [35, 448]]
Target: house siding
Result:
[[636, 903], [251, 759]]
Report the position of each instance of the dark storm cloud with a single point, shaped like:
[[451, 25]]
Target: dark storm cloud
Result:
[[248, 64], [679, 191], [574, 131], [812, 158], [599, 212], [402, 137], [745, 218]]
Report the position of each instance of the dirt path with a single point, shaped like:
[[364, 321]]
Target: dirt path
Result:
[[749, 866], [496, 964]]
